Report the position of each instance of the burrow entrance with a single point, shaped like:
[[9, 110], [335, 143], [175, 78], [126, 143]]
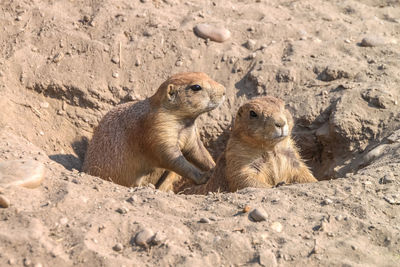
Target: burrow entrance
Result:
[[332, 142]]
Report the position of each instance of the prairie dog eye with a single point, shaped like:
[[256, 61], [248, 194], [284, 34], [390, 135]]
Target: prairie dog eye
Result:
[[253, 114], [196, 87]]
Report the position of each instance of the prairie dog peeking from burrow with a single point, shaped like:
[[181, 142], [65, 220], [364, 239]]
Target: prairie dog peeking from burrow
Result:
[[136, 142], [260, 151]]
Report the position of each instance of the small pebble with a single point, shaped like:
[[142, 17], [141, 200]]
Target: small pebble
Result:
[[211, 32], [347, 41], [44, 105], [393, 199], [133, 199], [144, 237], [58, 57], [138, 63], [4, 202], [115, 74], [387, 179], [277, 227], [250, 44], [204, 220], [122, 210], [327, 201], [115, 60], [178, 63], [118, 247], [372, 41], [258, 215]]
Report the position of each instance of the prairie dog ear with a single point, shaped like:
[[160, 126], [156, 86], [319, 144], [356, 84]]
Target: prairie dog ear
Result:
[[171, 92], [289, 118]]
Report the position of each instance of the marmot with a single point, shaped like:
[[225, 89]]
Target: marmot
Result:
[[260, 151], [136, 142]]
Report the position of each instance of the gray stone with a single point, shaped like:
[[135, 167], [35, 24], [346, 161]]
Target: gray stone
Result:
[[258, 215], [372, 41], [144, 237], [387, 179]]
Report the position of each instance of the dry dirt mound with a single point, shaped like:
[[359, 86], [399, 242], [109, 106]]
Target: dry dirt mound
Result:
[[63, 65]]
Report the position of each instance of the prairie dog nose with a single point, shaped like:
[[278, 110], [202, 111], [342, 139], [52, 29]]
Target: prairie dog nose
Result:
[[219, 93], [282, 127], [280, 123]]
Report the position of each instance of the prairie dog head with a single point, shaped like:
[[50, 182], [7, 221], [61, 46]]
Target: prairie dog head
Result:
[[263, 120], [191, 94]]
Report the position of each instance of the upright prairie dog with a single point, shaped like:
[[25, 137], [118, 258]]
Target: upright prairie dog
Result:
[[260, 151], [135, 143]]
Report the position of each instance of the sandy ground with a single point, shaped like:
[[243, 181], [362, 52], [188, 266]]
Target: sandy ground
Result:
[[64, 64]]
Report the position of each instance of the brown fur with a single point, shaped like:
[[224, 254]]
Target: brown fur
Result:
[[259, 153], [135, 143]]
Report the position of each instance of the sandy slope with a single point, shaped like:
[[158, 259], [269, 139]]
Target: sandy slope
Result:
[[64, 64]]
